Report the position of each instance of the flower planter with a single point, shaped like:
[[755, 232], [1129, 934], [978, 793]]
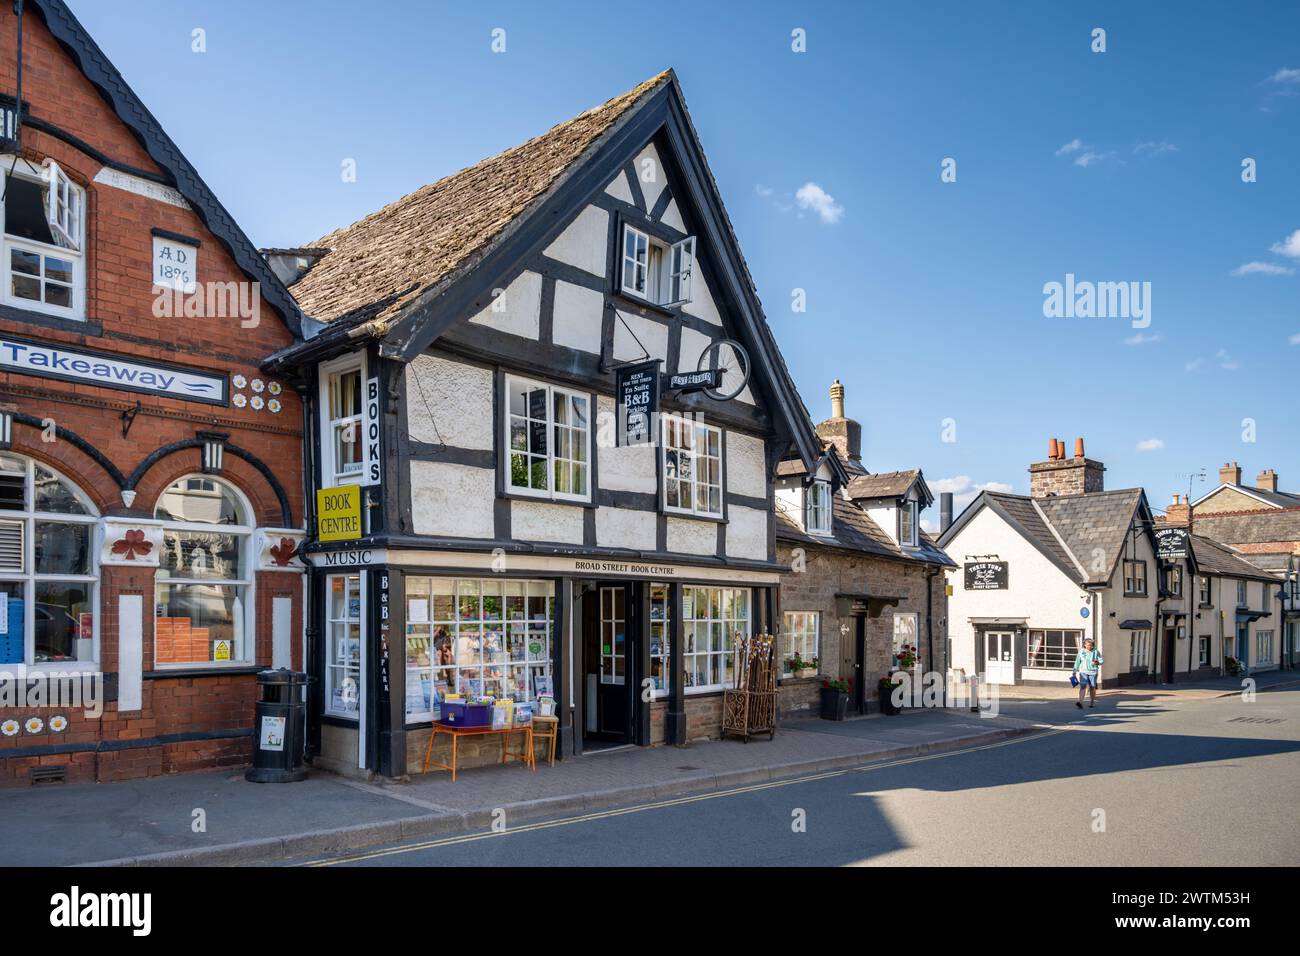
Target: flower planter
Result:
[[887, 705], [835, 704], [806, 673]]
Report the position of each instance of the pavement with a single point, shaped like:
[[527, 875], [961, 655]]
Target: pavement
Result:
[[221, 819], [1142, 780]]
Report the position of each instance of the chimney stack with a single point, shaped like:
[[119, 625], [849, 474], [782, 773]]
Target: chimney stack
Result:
[[1066, 476], [844, 433], [1230, 474], [1267, 480], [837, 399], [945, 510], [1179, 513]]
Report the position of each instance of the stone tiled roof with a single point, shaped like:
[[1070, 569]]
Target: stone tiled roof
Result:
[[1093, 526], [1258, 527], [889, 484], [853, 530], [1215, 558], [382, 263]]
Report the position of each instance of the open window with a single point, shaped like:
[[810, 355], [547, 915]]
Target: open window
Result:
[[817, 519], [43, 239], [657, 271]]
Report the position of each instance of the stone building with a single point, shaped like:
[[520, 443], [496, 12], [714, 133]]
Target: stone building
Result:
[[865, 579]]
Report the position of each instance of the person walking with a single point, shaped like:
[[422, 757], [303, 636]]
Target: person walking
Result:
[[1086, 663]]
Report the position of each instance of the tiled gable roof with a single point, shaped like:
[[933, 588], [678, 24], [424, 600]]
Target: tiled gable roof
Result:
[[380, 264], [889, 484], [1215, 558], [1093, 526], [853, 530]]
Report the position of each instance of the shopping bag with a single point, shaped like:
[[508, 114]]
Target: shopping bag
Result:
[[1074, 680]]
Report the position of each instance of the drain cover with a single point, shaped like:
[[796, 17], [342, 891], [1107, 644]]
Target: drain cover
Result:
[[1255, 720], [688, 768]]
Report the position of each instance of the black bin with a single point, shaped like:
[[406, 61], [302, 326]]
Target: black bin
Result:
[[278, 727]]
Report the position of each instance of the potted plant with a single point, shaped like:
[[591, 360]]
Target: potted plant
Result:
[[907, 657], [835, 698], [796, 666], [886, 688]]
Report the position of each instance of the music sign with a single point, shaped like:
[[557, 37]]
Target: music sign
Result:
[[638, 402], [985, 575]]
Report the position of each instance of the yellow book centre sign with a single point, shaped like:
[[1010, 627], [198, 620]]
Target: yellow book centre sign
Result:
[[338, 513]]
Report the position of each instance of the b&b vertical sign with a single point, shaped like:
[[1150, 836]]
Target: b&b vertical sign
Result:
[[638, 403]]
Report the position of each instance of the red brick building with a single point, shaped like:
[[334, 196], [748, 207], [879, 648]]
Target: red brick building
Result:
[[150, 473]]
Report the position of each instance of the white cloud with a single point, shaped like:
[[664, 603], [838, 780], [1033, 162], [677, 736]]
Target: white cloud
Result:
[[1073, 146], [1262, 269], [1226, 361], [1092, 158], [1295, 339], [1150, 444], [1289, 247], [965, 489], [1142, 338], [813, 197], [1153, 148], [764, 191], [1285, 75], [1194, 365]]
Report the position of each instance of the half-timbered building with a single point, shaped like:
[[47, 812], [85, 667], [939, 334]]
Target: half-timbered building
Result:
[[488, 521]]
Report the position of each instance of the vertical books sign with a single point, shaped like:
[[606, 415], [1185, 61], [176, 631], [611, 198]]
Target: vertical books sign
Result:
[[372, 469], [638, 403]]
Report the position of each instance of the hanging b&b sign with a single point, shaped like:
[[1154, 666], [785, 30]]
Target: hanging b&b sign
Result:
[[638, 403]]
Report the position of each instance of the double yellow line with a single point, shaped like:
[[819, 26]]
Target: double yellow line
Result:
[[677, 802]]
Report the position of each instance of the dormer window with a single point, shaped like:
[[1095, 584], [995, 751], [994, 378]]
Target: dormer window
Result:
[[817, 514], [907, 523], [44, 226], [656, 271]]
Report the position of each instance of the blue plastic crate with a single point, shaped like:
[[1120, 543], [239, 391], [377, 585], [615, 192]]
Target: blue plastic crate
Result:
[[11, 642]]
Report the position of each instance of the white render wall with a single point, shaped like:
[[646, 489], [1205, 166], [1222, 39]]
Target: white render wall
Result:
[[460, 398], [516, 309], [626, 528], [746, 468], [746, 533], [688, 536], [545, 521], [1037, 590], [453, 500], [582, 243]]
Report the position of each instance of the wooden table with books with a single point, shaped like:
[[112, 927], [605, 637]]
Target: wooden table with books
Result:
[[456, 732]]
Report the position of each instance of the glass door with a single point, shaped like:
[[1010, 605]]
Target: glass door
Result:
[[345, 653]]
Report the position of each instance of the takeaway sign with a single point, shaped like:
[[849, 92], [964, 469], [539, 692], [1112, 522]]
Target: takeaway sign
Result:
[[110, 371]]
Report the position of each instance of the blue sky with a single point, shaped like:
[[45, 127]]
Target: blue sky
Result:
[[924, 297]]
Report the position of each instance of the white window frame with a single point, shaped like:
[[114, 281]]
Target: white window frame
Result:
[[1263, 646], [813, 509], [661, 633], [691, 426], [1174, 578], [71, 226], [1139, 649], [897, 639], [331, 622], [801, 628], [508, 451], [476, 628], [613, 660], [662, 267], [912, 514], [1203, 589], [247, 580], [1243, 595], [327, 374], [727, 629], [1134, 564], [1204, 648], [28, 577]]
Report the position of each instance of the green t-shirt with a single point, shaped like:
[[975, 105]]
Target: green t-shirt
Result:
[[1086, 662]]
